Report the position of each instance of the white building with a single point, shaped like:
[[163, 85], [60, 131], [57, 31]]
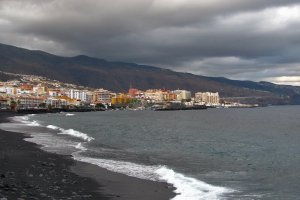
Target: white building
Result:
[[208, 98], [77, 94], [182, 95], [8, 90], [56, 103]]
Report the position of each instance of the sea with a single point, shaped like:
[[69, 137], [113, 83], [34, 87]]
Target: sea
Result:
[[213, 154]]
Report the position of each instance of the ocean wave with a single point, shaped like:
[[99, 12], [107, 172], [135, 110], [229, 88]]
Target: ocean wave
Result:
[[80, 147], [187, 188], [26, 120], [53, 127], [122, 167], [71, 132], [69, 114]]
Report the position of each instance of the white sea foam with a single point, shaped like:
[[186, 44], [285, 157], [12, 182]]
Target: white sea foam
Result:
[[33, 123], [186, 188], [190, 188], [71, 132], [122, 167], [77, 134], [69, 114], [53, 127], [26, 120], [80, 147]]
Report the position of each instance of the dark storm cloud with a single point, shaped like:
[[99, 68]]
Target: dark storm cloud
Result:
[[257, 39]]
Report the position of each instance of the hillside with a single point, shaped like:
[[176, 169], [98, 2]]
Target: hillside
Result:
[[117, 76]]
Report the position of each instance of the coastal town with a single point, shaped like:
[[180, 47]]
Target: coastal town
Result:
[[36, 92]]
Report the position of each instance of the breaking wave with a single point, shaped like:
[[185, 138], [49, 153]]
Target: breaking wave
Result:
[[71, 132], [26, 120], [80, 147], [186, 188]]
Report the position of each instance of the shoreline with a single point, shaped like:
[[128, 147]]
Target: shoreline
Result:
[[28, 172]]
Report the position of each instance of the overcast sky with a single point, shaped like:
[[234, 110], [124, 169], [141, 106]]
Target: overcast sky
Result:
[[239, 39]]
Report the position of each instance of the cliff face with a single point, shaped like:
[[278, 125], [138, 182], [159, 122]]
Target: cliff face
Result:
[[117, 76]]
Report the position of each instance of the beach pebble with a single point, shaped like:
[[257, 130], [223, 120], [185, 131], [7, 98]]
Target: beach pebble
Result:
[[11, 173], [30, 186], [43, 194], [52, 172]]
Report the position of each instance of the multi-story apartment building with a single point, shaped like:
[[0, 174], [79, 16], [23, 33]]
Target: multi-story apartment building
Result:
[[121, 100], [160, 96], [102, 96], [208, 98], [56, 103], [8, 90], [89, 97], [29, 101], [182, 95], [77, 94], [168, 96], [154, 95]]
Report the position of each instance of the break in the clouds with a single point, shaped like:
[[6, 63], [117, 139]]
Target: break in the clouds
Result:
[[240, 39]]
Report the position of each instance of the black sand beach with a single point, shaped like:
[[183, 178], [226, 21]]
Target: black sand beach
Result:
[[27, 172]]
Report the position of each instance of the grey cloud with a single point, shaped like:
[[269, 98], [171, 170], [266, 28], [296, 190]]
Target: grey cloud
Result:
[[238, 39]]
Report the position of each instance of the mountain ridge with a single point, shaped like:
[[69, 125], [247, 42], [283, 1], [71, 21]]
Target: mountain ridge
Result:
[[117, 76]]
